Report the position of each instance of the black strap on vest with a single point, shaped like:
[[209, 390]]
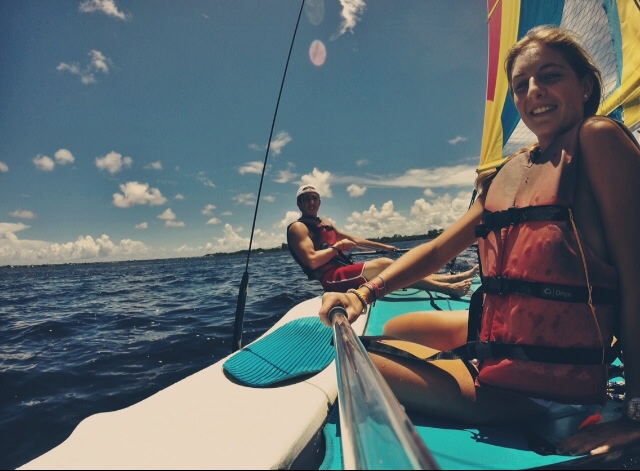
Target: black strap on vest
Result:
[[514, 216], [571, 294], [496, 350]]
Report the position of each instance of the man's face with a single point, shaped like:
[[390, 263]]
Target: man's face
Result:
[[309, 203]]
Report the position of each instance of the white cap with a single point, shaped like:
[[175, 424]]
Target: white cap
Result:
[[306, 189]]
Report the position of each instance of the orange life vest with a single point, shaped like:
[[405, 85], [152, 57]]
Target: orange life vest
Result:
[[535, 281]]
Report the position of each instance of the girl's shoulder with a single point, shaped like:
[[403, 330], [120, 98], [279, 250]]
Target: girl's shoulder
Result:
[[601, 130]]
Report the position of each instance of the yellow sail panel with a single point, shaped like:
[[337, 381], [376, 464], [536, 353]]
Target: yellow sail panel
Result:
[[503, 33], [628, 95]]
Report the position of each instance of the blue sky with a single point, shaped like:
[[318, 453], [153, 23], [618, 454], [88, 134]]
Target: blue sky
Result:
[[138, 129]]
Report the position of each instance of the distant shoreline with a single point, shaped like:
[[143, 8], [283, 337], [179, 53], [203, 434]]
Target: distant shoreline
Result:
[[385, 240]]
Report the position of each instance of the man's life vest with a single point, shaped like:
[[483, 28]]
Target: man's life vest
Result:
[[539, 334], [323, 235]]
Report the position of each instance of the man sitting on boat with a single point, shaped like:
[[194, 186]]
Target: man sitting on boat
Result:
[[319, 248]]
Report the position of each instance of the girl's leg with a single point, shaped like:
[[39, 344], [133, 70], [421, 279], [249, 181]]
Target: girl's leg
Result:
[[445, 389]]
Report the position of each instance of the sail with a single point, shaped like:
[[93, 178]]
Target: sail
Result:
[[609, 30]]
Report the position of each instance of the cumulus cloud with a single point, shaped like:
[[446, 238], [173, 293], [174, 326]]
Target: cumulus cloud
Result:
[[17, 251], [4, 168], [169, 219], [134, 193], [44, 163], [356, 191], [23, 214], [321, 180], [362, 162], [439, 213], [208, 209], [213, 221], [64, 157], [285, 176], [113, 162], [179, 197], [142, 225], [251, 167], [98, 63], [108, 7], [290, 217]]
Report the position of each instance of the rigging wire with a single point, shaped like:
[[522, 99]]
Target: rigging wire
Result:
[[242, 295]]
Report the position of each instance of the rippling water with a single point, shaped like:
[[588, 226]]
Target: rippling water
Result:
[[86, 338]]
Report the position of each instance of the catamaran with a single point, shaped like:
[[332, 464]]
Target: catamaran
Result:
[[292, 400]]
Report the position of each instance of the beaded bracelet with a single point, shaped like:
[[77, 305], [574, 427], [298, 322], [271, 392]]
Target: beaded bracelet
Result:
[[380, 291], [360, 297]]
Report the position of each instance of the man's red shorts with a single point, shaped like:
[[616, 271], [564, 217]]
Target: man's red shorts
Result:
[[344, 278]]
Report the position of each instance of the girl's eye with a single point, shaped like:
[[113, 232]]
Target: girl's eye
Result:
[[520, 86]]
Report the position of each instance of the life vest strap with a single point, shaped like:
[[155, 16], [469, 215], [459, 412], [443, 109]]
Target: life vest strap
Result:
[[513, 216], [501, 285], [496, 350]]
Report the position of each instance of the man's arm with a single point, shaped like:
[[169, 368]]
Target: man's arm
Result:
[[302, 245], [362, 242]]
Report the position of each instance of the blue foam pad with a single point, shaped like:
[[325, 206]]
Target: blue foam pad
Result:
[[299, 347]]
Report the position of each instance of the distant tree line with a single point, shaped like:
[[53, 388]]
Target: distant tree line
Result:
[[432, 234]]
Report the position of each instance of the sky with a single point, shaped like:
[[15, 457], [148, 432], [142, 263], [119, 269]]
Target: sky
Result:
[[137, 129]]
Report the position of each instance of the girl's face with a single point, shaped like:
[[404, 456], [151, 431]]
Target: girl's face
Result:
[[547, 92]]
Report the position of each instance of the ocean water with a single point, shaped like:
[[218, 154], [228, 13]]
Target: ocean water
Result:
[[79, 339]]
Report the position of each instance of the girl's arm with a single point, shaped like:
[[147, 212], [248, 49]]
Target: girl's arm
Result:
[[416, 264]]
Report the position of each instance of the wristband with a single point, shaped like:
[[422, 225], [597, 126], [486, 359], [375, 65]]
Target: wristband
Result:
[[360, 298]]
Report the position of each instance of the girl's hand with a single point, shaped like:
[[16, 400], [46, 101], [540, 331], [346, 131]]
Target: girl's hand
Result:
[[601, 438], [349, 301]]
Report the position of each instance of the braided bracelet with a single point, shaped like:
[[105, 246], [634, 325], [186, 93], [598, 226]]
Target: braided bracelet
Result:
[[360, 297]]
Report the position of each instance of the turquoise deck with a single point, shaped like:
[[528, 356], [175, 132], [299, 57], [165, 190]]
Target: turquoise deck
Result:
[[490, 447]]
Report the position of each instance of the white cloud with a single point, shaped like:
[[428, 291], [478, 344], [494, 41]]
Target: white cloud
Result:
[[439, 213], [456, 140], [64, 156], [290, 217], [356, 191], [179, 197], [276, 145], [251, 167], [134, 193], [157, 165], [142, 225], [85, 249], [113, 162], [213, 221], [232, 240], [362, 162], [98, 63], [4, 168], [281, 140], [269, 198], [319, 179], [169, 219], [245, 198], [22, 213], [9, 228], [108, 7], [44, 163], [208, 209], [202, 178], [349, 13], [441, 177], [284, 176]]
